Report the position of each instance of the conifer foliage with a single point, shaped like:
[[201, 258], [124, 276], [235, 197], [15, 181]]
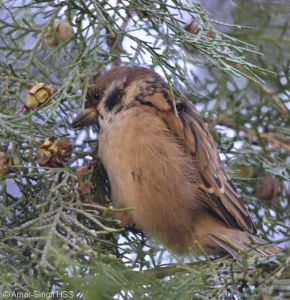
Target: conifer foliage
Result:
[[57, 234]]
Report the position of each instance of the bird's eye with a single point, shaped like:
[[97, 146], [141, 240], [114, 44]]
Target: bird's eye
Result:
[[97, 96]]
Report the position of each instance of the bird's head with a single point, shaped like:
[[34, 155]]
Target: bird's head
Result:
[[117, 89]]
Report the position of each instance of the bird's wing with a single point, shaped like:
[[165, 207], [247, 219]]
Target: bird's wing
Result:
[[224, 199]]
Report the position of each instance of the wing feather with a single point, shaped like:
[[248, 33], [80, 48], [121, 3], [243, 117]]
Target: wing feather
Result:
[[223, 198]]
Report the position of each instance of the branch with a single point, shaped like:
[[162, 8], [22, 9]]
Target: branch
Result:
[[173, 269], [277, 141]]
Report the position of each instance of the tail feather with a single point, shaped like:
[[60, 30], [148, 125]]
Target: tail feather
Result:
[[244, 244]]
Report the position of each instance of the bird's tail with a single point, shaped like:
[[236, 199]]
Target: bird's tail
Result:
[[246, 244]]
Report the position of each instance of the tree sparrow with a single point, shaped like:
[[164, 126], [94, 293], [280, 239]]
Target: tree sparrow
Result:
[[166, 167]]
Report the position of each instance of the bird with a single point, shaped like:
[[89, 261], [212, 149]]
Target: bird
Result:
[[163, 164]]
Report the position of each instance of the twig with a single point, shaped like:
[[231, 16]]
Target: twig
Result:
[[267, 92], [276, 100], [173, 269], [277, 141], [113, 43]]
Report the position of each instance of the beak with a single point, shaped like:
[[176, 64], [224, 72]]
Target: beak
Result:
[[86, 118]]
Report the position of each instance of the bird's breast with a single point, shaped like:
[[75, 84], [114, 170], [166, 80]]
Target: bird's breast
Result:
[[150, 171]]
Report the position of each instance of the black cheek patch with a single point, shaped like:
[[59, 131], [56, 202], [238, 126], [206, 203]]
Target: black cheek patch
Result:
[[114, 99]]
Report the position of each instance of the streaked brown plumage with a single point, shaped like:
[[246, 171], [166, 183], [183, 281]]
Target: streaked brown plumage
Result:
[[166, 167]]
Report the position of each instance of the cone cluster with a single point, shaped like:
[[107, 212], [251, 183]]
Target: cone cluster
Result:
[[54, 153]]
